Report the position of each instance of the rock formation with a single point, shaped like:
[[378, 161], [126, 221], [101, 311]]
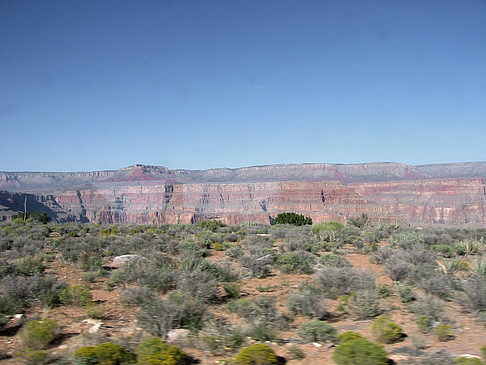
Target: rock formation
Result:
[[386, 192]]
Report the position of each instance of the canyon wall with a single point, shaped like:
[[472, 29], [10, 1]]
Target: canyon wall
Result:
[[386, 192]]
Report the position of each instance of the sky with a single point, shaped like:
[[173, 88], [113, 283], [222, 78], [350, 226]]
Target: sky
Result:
[[94, 85]]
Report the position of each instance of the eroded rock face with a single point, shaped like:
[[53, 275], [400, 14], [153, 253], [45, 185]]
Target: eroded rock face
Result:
[[386, 192]]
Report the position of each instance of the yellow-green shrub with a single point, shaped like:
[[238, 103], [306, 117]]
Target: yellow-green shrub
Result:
[[33, 356], [442, 331], [154, 351], [385, 330], [38, 334], [106, 353], [257, 354], [357, 350]]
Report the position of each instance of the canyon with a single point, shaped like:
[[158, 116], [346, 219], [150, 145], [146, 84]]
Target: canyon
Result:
[[452, 194]]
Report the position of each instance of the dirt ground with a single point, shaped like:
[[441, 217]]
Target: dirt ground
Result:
[[469, 333]]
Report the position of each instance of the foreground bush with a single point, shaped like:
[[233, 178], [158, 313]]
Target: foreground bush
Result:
[[317, 331], [257, 354], [32, 356], [178, 310], [76, 295], [154, 351], [38, 334], [357, 350], [385, 330], [106, 353]]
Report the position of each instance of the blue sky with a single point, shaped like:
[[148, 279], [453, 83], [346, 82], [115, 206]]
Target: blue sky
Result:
[[89, 85]]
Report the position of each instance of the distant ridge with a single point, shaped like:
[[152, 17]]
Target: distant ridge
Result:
[[304, 172]]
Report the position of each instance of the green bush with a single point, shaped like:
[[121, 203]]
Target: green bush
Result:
[[76, 295], [31, 265], [292, 218], [442, 331], [385, 330], [298, 262], [326, 230], [107, 353], [38, 334], [309, 301], [218, 247], [424, 323], [317, 331], [349, 335], [233, 290], [359, 351], [32, 356], [257, 354], [154, 351], [468, 361]]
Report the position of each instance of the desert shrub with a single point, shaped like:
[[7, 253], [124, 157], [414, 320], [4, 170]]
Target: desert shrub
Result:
[[406, 293], [352, 236], [211, 225], [326, 231], [106, 353], [178, 310], [137, 296], [384, 290], [348, 336], [429, 306], [359, 351], [95, 310], [441, 357], [468, 361], [217, 336], [234, 252], [292, 218], [158, 275], [32, 356], [257, 354], [317, 331], [424, 323], [296, 352], [262, 315], [407, 240], [340, 280], [38, 334], [76, 295], [200, 284], [398, 270], [383, 254], [442, 331], [30, 290], [30, 265], [298, 262], [259, 266], [359, 221], [154, 351], [233, 290], [474, 294], [362, 304], [385, 330], [309, 301], [329, 259], [436, 284], [218, 246]]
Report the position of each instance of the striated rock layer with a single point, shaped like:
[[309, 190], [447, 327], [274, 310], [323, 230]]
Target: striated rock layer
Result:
[[386, 192]]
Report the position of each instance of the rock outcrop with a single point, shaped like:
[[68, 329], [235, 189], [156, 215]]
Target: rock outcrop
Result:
[[386, 192]]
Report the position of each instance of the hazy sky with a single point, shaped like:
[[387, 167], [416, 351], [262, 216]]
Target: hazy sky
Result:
[[98, 84]]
